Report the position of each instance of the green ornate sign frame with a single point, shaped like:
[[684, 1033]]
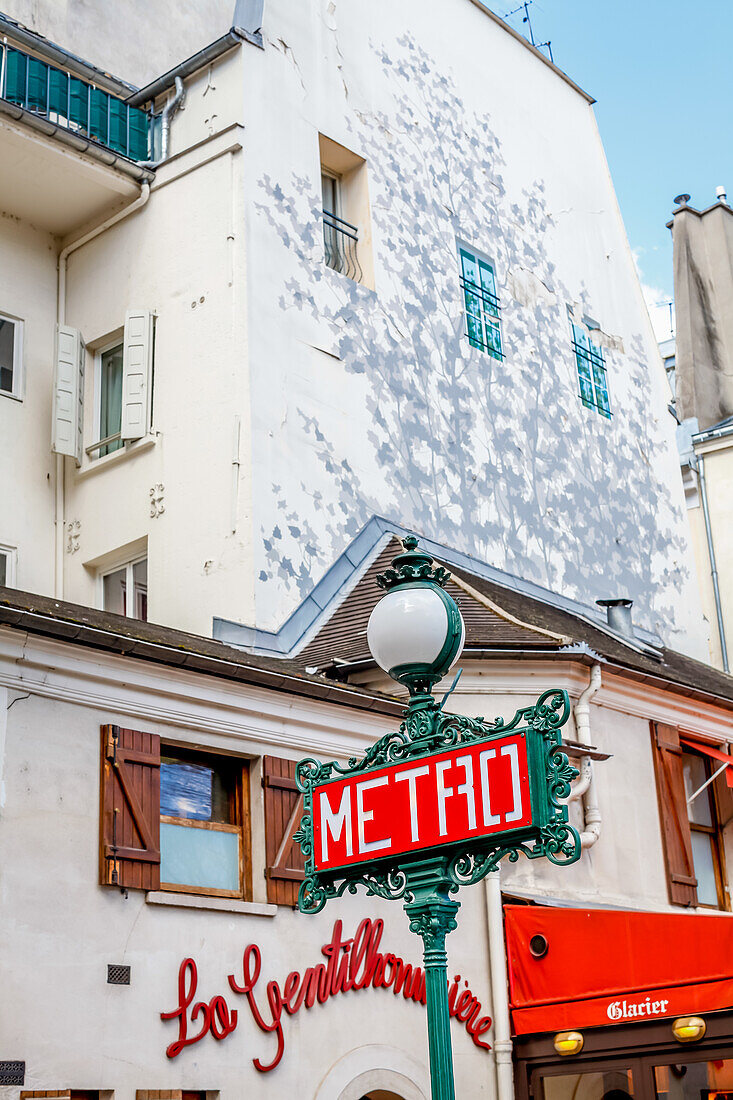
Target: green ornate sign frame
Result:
[[426, 732]]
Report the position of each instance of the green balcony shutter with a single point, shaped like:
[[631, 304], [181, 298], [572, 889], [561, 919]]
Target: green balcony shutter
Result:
[[58, 95], [37, 86], [118, 126], [79, 104], [15, 74], [98, 120], [139, 123]]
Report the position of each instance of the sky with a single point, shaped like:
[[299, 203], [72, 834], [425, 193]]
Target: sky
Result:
[[661, 74]]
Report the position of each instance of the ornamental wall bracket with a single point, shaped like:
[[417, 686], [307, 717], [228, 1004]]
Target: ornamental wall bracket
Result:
[[157, 507], [73, 534]]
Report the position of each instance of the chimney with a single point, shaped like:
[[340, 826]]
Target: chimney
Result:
[[618, 614]]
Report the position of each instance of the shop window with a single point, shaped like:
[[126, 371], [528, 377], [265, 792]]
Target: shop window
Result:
[[203, 823], [481, 302], [591, 368], [11, 355], [688, 797], [347, 242], [125, 590], [609, 1084], [690, 1080]]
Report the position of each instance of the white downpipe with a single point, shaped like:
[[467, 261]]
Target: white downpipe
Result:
[[60, 502], [499, 989], [585, 787]]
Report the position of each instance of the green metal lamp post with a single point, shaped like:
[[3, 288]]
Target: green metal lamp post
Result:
[[416, 633], [506, 789]]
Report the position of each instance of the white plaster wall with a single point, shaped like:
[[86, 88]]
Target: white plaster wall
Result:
[[511, 467], [60, 929], [135, 41], [719, 481], [28, 292], [183, 257]]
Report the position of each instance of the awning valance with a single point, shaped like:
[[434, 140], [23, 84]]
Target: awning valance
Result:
[[606, 966]]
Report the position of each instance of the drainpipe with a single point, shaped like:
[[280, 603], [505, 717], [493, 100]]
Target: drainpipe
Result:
[[499, 989], [711, 556], [165, 124], [60, 503], [585, 787]]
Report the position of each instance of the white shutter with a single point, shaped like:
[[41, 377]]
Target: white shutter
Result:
[[68, 394], [136, 373]]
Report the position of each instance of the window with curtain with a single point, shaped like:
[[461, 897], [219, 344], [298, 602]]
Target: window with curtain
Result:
[[483, 323], [591, 369], [110, 398]]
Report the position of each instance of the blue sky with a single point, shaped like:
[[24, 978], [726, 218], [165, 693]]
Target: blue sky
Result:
[[661, 73]]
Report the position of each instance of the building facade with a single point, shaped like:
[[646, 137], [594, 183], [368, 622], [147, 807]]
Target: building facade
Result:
[[700, 358], [242, 382]]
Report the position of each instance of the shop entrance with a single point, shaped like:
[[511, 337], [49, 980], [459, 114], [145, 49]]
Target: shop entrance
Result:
[[642, 1062], [689, 1076]]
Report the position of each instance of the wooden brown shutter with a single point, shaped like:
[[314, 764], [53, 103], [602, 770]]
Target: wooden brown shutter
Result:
[[676, 837], [283, 811], [130, 809]]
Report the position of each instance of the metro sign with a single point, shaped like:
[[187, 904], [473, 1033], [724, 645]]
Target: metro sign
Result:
[[460, 790], [455, 797]]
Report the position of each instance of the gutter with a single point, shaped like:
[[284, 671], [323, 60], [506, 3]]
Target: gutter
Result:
[[228, 41], [75, 142]]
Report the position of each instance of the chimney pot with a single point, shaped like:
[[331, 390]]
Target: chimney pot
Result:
[[618, 615], [721, 194]]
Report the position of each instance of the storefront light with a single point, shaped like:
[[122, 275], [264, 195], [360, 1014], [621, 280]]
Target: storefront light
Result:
[[688, 1029], [568, 1042]]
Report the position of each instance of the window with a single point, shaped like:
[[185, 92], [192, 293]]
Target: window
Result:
[[483, 326], [125, 590], [591, 371], [123, 383], [203, 807], [690, 795], [7, 567], [11, 355], [345, 212], [109, 375], [704, 830]]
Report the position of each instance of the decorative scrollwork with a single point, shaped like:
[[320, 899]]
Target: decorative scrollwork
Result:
[[426, 731]]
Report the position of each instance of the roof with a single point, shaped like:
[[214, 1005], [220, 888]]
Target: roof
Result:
[[506, 621], [43, 616]]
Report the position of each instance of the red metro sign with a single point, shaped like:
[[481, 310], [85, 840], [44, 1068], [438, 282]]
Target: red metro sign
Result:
[[457, 796]]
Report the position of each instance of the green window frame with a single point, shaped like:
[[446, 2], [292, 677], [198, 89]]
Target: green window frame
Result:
[[591, 367], [483, 310]]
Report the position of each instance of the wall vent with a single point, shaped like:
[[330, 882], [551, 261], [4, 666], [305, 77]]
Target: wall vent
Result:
[[118, 975], [12, 1073]]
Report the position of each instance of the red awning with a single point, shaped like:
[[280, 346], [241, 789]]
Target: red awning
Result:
[[606, 966], [715, 754]]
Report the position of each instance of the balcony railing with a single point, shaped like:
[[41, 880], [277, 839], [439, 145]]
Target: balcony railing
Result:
[[340, 241], [66, 100]]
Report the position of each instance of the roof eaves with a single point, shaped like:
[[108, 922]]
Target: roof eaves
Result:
[[234, 37], [60, 628]]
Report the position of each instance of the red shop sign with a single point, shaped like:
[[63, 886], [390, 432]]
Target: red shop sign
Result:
[[350, 965], [459, 795]]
